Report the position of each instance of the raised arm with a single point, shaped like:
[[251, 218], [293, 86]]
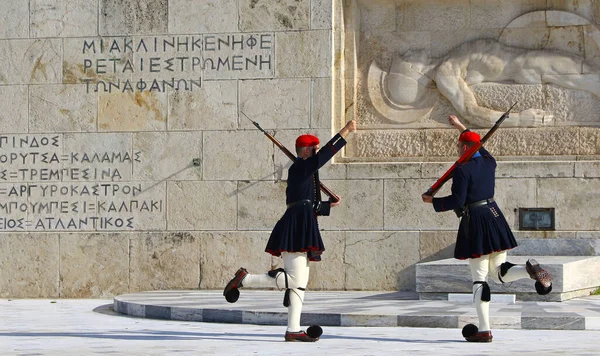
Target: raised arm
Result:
[[451, 81], [455, 122], [350, 126], [458, 92]]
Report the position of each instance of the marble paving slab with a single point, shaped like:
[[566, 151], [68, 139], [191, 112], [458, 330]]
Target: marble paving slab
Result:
[[571, 278], [378, 308]]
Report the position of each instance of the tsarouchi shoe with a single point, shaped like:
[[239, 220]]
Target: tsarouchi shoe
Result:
[[538, 273], [299, 336], [231, 292], [480, 336]]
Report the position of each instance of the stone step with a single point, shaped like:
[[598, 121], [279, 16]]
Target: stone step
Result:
[[357, 308], [556, 247], [573, 276], [495, 298]]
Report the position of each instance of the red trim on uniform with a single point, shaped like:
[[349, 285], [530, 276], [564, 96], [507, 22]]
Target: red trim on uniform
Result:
[[278, 252], [335, 150], [478, 256]]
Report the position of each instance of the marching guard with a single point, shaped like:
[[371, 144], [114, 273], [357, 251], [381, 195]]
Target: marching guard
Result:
[[296, 237], [484, 235]]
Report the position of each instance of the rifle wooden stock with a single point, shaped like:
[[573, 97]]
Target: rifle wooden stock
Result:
[[334, 198], [467, 155]]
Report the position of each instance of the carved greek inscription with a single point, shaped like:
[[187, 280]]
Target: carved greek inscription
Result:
[[161, 63], [43, 188], [239, 55]]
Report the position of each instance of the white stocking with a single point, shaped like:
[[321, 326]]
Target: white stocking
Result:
[[483, 308], [479, 272], [295, 310], [259, 281], [514, 273], [296, 267]]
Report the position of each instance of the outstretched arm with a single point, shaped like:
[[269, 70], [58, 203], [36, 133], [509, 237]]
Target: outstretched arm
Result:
[[455, 122], [453, 86], [456, 90], [350, 126]]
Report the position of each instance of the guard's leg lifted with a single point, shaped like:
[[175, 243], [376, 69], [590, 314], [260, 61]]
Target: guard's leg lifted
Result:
[[231, 291], [543, 280]]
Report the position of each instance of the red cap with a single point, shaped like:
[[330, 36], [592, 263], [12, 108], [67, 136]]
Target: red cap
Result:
[[469, 136], [307, 141]]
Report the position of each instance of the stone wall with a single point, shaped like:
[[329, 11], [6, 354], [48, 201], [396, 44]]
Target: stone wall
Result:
[[127, 162], [391, 46]]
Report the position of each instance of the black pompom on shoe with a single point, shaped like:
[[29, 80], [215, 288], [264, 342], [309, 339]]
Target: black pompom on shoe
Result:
[[231, 292], [232, 295], [314, 331], [541, 290], [469, 330]]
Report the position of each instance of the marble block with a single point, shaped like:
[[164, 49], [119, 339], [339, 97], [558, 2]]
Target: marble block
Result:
[[468, 298], [570, 277], [557, 247]]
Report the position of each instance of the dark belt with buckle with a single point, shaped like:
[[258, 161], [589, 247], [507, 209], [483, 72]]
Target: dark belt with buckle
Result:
[[480, 203], [299, 202]]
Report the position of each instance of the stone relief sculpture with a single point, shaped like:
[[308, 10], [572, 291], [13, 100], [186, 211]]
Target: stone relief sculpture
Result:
[[415, 82]]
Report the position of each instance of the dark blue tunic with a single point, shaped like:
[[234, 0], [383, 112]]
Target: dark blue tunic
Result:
[[298, 230], [483, 229]]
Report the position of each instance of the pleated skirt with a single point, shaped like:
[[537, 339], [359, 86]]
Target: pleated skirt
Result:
[[483, 231], [297, 231]]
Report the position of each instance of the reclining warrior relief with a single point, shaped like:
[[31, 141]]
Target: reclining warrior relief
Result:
[[414, 82]]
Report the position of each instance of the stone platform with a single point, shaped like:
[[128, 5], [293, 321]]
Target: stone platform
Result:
[[573, 276], [383, 309]]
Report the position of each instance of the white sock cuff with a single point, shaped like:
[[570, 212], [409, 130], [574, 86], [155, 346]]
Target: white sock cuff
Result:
[[259, 281]]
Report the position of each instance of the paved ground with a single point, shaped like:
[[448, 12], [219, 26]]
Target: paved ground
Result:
[[359, 309], [90, 327]]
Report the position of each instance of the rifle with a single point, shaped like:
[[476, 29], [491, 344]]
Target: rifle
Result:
[[333, 197], [467, 155]]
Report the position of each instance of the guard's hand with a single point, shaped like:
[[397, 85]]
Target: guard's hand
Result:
[[337, 202], [427, 198], [453, 120], [351, 125]]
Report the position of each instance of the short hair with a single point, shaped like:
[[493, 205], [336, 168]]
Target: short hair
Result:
[[469, 144], [299, 149]]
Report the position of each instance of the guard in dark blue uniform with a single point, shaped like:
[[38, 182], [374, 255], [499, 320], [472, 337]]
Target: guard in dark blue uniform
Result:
[[298, 229], [483, 229], [296, 236], [484, 235]]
